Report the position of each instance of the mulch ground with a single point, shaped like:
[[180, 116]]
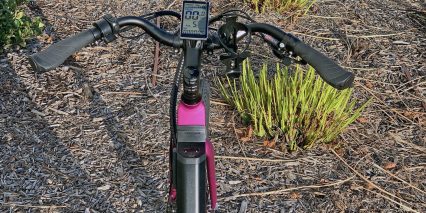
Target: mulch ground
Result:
[[92, 135]]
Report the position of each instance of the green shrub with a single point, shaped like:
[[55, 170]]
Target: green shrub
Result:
[[298, 106], [281, 5], [15, 26]]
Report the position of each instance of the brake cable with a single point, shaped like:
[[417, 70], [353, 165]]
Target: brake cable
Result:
[[148, 16]]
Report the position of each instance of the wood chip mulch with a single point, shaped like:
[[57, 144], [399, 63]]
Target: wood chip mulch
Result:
[[92, 135]]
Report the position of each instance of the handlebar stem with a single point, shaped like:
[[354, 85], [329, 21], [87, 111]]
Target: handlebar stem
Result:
[[191, 72]]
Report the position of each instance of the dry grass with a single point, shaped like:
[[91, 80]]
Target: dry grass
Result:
[[262, 6]]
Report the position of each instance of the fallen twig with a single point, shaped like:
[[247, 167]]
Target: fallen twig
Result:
[[255, 159], [218, 103], [281, 191], [399, 140], [374, 36], [238, 139], [398, 178], [156, 58], [369, 182], [349, 36], [58, 111], [384, 104], [317, 37], [123, 93], [415, 87], [406, 208], [32, 206]]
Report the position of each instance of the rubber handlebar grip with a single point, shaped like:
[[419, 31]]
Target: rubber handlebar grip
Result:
[[57, 53], [329, 70]]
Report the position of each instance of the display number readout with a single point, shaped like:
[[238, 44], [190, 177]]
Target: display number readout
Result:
[[192, 15], [194, 20]]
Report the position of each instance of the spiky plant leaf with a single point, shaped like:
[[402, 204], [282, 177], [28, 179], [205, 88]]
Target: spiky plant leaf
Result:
[[305, 109]]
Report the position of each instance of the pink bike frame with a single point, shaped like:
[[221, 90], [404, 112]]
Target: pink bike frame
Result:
[[195, 115]]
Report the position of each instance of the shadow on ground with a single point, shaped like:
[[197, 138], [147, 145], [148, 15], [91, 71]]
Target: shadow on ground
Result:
[[37, 170], [41, 170]]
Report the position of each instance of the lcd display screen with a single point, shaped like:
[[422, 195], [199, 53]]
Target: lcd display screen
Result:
[[194, 20]]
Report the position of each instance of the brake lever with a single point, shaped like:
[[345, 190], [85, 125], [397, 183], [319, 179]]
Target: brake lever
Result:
[[288, 61], [287, 56], [212, 43]]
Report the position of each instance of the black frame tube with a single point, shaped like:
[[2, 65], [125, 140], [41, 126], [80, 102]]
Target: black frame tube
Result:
[[191, 178]]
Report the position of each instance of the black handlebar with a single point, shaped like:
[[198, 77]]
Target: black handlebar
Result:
[[57, 53], [329, 71], [157, 33]]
